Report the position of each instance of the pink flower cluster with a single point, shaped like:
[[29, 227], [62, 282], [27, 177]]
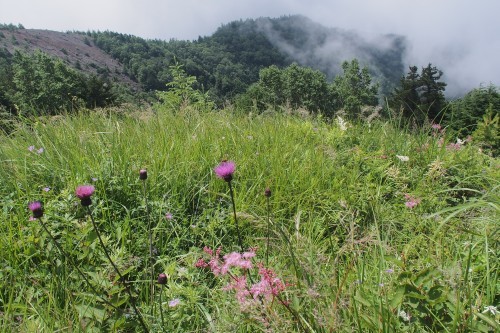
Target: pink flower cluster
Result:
[[411, 202], [452, 146], [233, 259], [437, 130], [268, 287]]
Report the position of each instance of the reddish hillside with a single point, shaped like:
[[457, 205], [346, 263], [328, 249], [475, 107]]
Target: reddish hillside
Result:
[[75, 49]]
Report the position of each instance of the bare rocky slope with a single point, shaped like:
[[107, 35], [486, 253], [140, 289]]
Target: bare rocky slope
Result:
[[75, 49]]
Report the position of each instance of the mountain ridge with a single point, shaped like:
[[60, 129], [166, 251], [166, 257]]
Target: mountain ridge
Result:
[[226, 62]]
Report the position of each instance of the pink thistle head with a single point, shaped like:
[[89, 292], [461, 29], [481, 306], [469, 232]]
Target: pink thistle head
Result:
[[84, 192], [411, 204], [225, 170], [36, 209]]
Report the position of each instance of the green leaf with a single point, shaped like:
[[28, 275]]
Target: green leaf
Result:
[[405, 275], [426, 275], [86, 311], [398, 297], [491, 322], [362, 300]]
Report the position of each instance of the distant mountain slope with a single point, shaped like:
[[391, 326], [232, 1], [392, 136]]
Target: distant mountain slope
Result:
[[75, 49], [225, 63]]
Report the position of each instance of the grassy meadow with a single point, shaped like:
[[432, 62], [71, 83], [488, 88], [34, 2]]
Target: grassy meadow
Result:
[[368, 227]]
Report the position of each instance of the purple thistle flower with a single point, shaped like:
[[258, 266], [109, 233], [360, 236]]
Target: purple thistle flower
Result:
[[225, 170], [169, 216], [31, 148], [84, 192], [46, 189], [36, 209], [39, 151]]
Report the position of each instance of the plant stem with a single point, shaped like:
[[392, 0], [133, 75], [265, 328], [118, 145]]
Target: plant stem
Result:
[[127, 288], [65, 255], [231, 192], [161, 308], [151, 258], [268, 229]]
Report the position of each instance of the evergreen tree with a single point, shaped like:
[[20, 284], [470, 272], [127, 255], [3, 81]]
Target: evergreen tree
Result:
[[421, 96], [465, 113], [431, 93]]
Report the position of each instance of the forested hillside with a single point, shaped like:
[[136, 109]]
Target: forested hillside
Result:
[[225, 63]]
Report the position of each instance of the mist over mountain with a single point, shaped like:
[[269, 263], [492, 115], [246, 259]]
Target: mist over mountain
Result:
[[313, 45]]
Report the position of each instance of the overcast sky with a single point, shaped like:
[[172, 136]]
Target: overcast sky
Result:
[[461, 37]]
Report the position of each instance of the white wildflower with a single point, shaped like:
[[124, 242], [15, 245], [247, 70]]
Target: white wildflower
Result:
[[342, 123], [491, 309], [405, 316], [403, 158], [460, 142]]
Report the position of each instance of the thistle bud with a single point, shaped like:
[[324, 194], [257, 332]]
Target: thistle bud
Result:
[[162, 278]]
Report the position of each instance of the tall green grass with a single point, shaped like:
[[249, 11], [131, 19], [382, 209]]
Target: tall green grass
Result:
[[355, 257]]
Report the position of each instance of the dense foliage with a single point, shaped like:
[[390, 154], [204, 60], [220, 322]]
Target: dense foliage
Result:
[[354, 89], [37, 84], [466, 112], [295, 86], [302, 87]]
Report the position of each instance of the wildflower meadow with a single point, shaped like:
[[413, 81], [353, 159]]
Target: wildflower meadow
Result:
[[192, 221]]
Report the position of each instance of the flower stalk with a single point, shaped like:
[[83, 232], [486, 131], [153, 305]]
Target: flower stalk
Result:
[[84, 193], [37, 211]]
